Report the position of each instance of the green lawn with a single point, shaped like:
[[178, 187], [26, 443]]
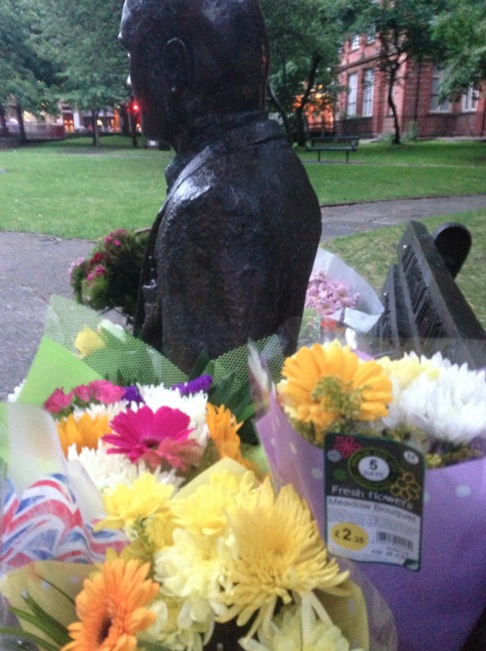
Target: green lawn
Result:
[[70, 189]]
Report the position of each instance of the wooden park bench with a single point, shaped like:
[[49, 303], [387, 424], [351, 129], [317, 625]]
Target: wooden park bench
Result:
[[425, 310], [346, 144]]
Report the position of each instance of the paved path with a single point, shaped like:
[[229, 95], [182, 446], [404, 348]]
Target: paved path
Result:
[[32, 267]]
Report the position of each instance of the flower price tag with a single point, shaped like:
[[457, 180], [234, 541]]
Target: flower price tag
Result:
[[373, 499]]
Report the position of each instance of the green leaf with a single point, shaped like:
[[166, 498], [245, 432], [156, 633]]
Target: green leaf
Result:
[[43, 621], [19, 634]]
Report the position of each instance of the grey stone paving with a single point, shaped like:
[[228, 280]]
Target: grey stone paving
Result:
[[33, 267]]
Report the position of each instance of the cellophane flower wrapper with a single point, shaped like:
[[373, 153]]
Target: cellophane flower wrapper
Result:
[[437, 607], [368, 308], [49, 504], [293, 460]]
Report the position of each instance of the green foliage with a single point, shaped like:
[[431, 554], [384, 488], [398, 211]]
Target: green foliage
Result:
[[81, 38], [460, 36], [303, 48]]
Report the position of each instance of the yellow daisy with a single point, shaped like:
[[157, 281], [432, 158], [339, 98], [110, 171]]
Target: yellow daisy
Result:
[[111, 608], [83, 431], [275, 550], [327, 387]]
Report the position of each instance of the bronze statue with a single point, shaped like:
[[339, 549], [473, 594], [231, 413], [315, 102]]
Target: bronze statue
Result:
[[231, 251]]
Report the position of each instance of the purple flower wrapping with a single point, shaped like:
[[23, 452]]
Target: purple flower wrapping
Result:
[[436, 607]]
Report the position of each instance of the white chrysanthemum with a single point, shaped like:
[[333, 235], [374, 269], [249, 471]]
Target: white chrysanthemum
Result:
[[445, 401], [172, 630], [107, 470], [98, 409], [14, 396], [299, 629], [455, 411], [190, 570], [193, 405]]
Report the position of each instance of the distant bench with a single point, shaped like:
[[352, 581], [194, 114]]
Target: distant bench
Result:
[[346, 144], [425, 310]]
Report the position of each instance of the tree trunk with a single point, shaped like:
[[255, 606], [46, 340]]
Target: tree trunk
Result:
[[280, 110], [94, 126], [20, 120], [3, 122], [396, 139], [302, 136]]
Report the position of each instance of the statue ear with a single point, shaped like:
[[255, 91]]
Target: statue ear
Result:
[[177, 65]]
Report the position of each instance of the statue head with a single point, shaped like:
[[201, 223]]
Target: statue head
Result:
[[192, 60]]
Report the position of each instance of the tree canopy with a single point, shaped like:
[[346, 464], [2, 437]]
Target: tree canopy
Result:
[[460, 36], [81, 39], [303, 51]]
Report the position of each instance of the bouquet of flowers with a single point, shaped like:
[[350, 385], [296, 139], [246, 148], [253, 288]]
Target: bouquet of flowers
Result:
[[313, 430], [108, 278], [338, 298], [134, 519]]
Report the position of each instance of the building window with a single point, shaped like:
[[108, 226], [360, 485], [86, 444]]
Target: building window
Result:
[[355, 42], [371, 35], [368, 88], [470, 99], [352, 93], [435, 105]]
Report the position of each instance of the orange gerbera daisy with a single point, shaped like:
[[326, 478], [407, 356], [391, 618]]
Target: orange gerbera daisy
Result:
[[223, 430], [84, 431], [327, 387], [111, 608]]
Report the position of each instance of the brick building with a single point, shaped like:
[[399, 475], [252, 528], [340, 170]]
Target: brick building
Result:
[[362, 107]]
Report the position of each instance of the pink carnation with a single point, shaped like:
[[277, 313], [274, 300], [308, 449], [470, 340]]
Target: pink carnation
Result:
[[57, 401], [106, 392]]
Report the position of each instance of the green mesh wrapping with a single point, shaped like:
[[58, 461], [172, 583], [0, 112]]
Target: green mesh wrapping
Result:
[[236, 361], [126, 359]]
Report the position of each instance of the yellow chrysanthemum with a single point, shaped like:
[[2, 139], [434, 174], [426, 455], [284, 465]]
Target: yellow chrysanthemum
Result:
[[275, 550], [128, 506], [88, 341], [111, 608], [407, 369], [327, 387], [83, 431], [205, 511]]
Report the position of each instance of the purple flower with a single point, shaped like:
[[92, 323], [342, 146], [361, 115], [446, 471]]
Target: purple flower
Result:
[[201, 383], [132, 395]]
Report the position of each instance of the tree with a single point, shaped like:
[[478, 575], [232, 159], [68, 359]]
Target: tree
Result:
[[403, 29], [460, 37], [81, 39], [23, 76], [303, 53]]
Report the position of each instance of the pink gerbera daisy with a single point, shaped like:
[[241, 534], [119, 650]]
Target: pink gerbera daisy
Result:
[[160, 438]]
